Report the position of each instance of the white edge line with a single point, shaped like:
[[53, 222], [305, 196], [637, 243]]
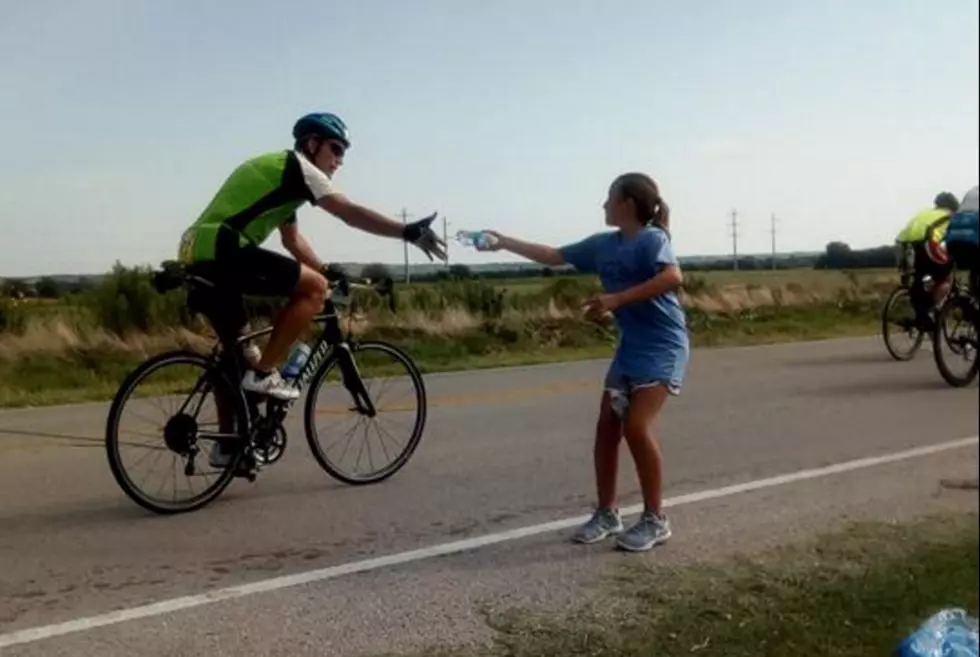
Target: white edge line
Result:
[[34, 634]]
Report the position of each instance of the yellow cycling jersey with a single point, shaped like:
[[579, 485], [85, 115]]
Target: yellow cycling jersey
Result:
[[918, 226]]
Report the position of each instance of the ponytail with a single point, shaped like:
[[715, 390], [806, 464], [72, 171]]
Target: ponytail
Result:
[[661, 216], [651, 208]]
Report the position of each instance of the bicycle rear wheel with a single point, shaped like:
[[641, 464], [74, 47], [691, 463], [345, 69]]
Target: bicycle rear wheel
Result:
[[959, 341], [329, 398], [176, 434], [900, 312]]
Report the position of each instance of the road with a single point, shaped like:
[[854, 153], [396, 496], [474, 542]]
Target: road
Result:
[[504, 450]]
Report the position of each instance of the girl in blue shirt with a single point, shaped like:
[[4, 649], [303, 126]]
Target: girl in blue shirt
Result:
[[640, 276]]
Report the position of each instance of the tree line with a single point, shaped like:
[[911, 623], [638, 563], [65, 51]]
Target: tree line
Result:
[[837, 255]]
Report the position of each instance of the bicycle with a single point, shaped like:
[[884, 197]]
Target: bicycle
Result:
[[915, 291], [966, 302], [258, 439]]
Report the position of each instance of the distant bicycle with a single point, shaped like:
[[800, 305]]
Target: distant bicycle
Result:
[[908, 309], [958, 323], [957, 327], [257, 439]]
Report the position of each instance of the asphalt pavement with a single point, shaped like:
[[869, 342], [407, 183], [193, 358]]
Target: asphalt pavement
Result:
[[505, 453]]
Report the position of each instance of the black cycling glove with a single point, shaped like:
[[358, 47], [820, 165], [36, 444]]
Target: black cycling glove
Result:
[[421, 235]]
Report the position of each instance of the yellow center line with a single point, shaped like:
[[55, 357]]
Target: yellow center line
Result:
[[479, 397], [43, 439], [475, 398]]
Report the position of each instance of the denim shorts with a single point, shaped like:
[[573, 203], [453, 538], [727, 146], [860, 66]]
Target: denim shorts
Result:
[[621, 388]]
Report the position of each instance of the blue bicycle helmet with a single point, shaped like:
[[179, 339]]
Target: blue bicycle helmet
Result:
[[324, 125]]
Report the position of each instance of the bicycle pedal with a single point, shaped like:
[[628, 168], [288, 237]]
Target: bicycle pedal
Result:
[[247, 471], [251, 475]]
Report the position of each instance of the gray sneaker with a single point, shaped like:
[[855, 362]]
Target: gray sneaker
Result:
[[650, 530], [602, 524]]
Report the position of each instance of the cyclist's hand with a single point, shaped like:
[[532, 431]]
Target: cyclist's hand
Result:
[[421, 235], [333, 272]]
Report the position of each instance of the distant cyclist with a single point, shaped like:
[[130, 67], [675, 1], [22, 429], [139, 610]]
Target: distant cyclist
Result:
[[262, 195], [924, 233], [963, 238]]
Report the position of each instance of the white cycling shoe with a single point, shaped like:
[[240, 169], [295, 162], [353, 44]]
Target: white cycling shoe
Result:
[[272, 385]]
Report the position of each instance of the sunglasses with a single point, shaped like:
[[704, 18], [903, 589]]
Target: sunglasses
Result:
[[337, 149]]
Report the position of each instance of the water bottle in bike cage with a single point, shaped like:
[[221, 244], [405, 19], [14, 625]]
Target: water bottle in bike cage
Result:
[[252, 354], [298, 356]]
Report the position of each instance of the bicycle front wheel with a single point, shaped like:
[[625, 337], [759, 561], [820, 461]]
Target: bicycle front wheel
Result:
[[174, 430], [956, 338], [381, 371], [899, 313]]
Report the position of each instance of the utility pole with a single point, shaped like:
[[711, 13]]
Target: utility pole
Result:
[[404, 216], [445, 237], [772, 231], [734, 228]]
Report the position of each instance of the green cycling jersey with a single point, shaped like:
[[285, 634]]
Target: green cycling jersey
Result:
[[260, 195], [918, 228]]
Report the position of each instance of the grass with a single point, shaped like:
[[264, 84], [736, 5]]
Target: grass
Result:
[[858, 593], [802, 278], [81, 347], [54, 365]]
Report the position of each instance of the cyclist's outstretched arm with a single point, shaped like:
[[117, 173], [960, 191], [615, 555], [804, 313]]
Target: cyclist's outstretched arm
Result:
[[295, 243], [360, 217], [418, 232]]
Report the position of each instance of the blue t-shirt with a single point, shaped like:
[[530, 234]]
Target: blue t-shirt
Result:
[[653, 343]]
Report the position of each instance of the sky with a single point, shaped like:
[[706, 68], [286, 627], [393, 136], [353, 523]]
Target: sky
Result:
[[121, 118]]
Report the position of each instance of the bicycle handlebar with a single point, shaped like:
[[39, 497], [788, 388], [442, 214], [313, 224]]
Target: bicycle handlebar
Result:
[[341, 282]]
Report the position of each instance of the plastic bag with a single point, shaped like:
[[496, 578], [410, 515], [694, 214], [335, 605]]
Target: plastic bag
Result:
[[949, 633]]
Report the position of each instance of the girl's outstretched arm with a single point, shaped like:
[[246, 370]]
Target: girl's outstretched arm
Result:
[[540, 253]]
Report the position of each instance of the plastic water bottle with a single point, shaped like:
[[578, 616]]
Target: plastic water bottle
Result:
[[480, 239], [252, 354], [949, 633], [298, 356]]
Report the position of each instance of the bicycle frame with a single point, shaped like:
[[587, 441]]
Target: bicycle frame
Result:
[[329, 341], [331, 338]]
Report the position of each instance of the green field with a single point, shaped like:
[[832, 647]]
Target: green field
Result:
[[828, 279], [80, 347]]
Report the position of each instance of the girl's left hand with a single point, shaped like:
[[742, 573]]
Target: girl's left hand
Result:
[[600, 306]]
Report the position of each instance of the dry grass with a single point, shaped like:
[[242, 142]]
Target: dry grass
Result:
[[79, 348], [53, 335], [450, 322], [826, 280], [717, 295]]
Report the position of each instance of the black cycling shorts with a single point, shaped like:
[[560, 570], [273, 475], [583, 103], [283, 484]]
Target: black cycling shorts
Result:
[[926, 266], [253, 271], [239, 271]]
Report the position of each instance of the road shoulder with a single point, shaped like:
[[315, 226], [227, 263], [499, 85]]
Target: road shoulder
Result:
[[455, 601]]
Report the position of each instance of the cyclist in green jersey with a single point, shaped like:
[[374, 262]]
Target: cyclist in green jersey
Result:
[[261, 196], [924, 234]]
